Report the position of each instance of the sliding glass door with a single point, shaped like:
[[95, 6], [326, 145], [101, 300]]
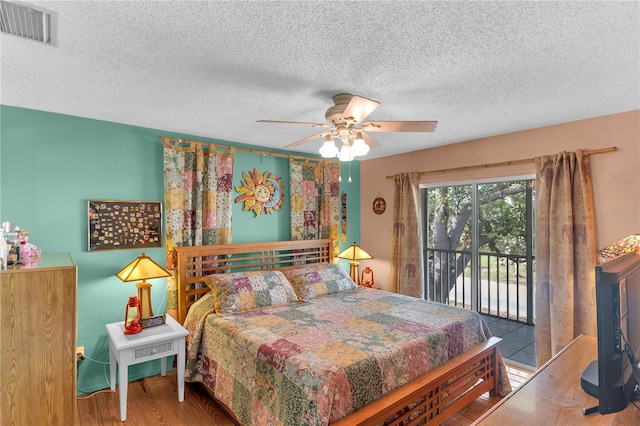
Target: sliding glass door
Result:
[[479, 246]]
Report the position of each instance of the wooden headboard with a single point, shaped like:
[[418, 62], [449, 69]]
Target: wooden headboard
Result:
[[195, 262]]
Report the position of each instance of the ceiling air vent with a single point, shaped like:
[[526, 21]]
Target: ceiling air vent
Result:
[[23, 20]]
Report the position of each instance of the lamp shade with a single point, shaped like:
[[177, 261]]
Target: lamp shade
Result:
[[359, 146], [328, 149], [626, 245], [345, 153], [354, 252], [142, 268]]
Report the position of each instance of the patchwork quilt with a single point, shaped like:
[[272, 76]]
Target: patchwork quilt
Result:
[[311, 363]]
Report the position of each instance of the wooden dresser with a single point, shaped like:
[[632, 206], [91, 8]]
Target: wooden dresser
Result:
[[38, 342], [553, 395]]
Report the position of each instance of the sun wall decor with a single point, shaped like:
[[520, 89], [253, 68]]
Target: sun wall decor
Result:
[[260, 192]]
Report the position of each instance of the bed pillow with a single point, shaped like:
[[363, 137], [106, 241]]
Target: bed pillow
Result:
[[245, 291], [319, 280]]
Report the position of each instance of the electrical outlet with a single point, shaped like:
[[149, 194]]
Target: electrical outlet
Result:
[[79, 353]]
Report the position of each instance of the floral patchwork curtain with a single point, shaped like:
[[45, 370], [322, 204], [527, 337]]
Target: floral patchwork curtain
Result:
[[565, 252], [315, 200], [407, 271], [197, 200]]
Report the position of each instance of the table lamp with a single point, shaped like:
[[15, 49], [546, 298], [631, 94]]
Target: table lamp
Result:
[[354, 253], [143, 268]]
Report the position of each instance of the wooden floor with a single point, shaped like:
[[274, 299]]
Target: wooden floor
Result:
[[154, 401]]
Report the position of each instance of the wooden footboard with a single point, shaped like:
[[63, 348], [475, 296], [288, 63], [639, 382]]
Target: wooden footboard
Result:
[[437, 394]]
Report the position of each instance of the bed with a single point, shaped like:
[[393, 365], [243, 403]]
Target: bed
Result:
[[281, 335]]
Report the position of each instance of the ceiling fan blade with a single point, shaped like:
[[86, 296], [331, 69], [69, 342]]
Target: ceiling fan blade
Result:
[[359, 108], [399, 126], [369, 140], [308, 123], [309, 139]]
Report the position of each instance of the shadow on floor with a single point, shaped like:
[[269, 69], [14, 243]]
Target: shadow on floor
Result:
[[518, 344]]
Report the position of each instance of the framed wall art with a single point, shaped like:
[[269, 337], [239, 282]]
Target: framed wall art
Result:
[[116, 225]]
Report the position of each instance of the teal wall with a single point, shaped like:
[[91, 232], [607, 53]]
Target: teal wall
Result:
[[51, 164]]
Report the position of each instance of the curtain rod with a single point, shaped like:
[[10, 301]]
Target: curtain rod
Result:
[[250, 150], [507, 163]]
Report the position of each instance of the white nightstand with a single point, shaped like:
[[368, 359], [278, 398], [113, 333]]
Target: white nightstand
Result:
[[156, 342]]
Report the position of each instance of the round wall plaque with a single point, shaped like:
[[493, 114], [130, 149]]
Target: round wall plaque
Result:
[[379, 205]]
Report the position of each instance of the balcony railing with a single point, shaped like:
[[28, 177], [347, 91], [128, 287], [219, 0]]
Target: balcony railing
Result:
[[504, 289]]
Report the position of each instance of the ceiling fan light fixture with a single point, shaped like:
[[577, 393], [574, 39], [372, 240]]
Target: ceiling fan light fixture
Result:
[[328, 148], [359, 147]]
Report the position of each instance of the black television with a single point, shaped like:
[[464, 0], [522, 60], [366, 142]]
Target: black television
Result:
[[614, 378]]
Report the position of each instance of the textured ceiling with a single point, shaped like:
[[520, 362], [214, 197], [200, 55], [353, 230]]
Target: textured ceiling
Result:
[[211, 69]]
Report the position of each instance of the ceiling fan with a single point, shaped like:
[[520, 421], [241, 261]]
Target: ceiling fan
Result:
[[348, 112]]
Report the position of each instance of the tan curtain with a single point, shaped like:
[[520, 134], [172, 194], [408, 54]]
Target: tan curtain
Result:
[[565, 252], [197, 199], [315, 200], [407, 270]]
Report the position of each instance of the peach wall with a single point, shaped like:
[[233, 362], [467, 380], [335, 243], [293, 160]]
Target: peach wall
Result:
[[616, 175]]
